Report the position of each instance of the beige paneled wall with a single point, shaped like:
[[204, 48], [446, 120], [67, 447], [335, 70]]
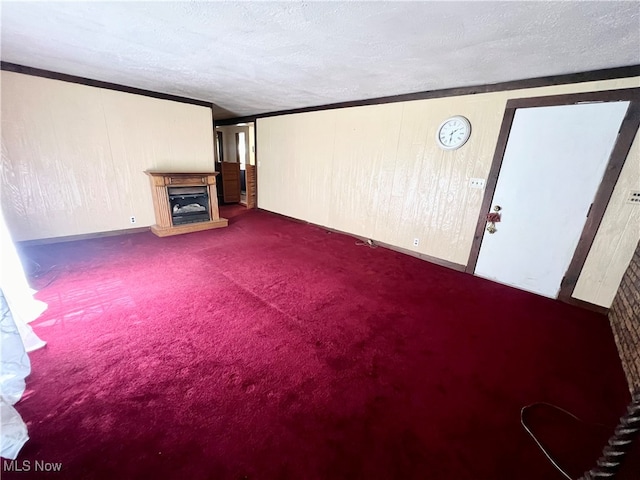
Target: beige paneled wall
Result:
[[295, 165], [73, 156], [376, 171]]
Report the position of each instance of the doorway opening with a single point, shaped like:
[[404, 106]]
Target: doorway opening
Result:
[[236, 161]]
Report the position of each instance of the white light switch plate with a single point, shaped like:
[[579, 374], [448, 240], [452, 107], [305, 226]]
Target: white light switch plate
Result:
[[634, 197], [476, 183]]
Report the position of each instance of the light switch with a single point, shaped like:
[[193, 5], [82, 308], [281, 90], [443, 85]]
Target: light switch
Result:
[[634, 197], [476, 183]]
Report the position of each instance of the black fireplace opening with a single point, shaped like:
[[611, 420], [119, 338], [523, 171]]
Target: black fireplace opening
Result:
[[189, 205]]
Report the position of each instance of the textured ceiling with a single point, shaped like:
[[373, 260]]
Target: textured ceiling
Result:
[[256, 57]]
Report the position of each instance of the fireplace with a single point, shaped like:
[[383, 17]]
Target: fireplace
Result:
[[184, 202], [188, 205]]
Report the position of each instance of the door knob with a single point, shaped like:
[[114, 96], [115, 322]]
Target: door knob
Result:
[[492, 218]]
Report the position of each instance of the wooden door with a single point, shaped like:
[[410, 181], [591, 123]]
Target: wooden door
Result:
[[553, 165], [230, 181]]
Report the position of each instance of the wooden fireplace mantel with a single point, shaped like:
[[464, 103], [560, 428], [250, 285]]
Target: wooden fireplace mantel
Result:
[[161, 181]]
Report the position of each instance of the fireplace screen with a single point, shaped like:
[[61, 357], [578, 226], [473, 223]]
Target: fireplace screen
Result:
[[189, 205]]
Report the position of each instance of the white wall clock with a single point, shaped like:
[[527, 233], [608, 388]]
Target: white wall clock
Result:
[[453, 132]]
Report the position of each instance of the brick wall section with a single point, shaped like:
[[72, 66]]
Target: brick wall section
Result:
[[624, 317]]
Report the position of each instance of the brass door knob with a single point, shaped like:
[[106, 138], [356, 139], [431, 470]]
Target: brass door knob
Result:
[[491, 228]]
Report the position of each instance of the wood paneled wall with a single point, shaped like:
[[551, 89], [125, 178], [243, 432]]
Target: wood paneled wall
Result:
[[73, 156], [376, 171]]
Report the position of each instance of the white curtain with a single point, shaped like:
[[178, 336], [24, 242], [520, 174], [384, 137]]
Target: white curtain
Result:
[[17, 309]]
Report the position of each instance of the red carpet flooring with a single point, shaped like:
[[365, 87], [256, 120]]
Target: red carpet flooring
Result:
[[276, 350]]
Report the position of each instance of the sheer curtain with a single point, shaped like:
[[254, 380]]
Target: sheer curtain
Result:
[[17, 309]]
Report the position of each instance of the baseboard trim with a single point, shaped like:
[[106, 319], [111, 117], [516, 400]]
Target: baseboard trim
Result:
[[428, 258], [421, 256], [84, 236], [584, 304]]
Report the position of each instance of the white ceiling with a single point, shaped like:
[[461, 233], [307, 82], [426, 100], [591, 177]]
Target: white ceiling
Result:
[[256, 57]]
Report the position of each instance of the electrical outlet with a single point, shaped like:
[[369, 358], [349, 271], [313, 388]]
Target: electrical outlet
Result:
[[476, 183], [416, 242], [132, 219]]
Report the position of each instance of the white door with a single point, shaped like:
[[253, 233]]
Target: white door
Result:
[[553, 164]]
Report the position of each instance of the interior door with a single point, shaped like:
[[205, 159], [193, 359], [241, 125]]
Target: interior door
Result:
[[553, 164], [230, 181]]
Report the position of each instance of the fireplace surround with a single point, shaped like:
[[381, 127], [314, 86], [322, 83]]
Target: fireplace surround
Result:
[[184, 202]]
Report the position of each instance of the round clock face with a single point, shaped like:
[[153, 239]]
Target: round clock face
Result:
[[453, 133]]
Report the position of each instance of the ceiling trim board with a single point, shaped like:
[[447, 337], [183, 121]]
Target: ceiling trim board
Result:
[[38, 72], [581, 77], [570, 78]]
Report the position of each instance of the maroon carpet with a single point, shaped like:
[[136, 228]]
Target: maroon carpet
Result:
[[276, 350]]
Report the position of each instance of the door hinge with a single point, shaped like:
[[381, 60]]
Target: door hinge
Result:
[[589, 211]]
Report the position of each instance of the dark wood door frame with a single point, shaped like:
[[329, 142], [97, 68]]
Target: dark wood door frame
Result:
[[255, 156], [619, 153]]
